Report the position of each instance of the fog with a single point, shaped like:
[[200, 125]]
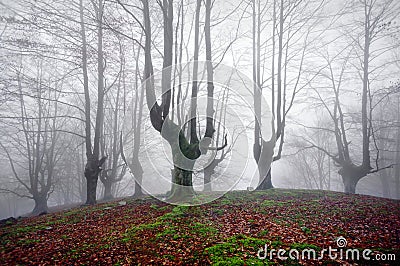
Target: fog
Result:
[[110, 99]]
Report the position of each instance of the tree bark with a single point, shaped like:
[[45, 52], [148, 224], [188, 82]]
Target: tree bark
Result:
[[138, 169], [266, 182], [138, 173], [264, 163], [182, 186], [92, 171], [138, 186], [40, 204], [91, 181], [207, 179], [184, 156], [365, 89], [210, 74], [351, 174], [350, 184], [107, 191], [193, 102]]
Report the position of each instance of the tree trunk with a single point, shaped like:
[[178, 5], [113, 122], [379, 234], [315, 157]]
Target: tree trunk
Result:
[[397, 180], [351, 174], [182, 187], [82, 188], [40, 205], [184, 156], [138, 185], [107, 191], [138, 173], [207, 178], [264, 160], [92, 170], [266, 183], [91, 181], [350, 184]]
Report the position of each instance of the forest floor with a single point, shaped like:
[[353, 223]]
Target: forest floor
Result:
[[228, 231]]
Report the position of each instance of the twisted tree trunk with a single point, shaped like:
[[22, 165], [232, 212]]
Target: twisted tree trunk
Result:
[[351, 174], [266, 182], [40, 204], [92, 171]]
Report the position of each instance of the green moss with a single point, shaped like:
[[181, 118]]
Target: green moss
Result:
[[169, 256], [219, 212], [176, 213], [166, 221], [166, 232], [302, 246], [237, 250], [27, 241], [274, 203], [131, 232], [9, 222], [164, 208], [235, 261], [19, 230], [181, 236], [203, 230], [305, 229], [226, 201], [263, 233]]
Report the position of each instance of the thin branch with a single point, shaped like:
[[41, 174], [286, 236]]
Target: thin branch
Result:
[[15, 193], [383, 168]]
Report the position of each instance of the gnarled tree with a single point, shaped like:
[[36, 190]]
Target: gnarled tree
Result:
[[185, 149], [375, 19]]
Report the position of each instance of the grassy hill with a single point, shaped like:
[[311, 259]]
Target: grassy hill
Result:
[[228, 231]]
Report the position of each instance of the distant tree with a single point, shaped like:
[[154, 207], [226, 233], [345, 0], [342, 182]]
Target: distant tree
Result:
[[111, 139], [376, 19], [292, 29], [34, 111], [30, 139], [313, 165]]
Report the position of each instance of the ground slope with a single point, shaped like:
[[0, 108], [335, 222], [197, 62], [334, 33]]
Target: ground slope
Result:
[[228, 231]]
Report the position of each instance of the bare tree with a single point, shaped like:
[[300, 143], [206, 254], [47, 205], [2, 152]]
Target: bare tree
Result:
[[350, 171], [94, 162], [261, 146], [183, 147], [313, 165], [291, 35], [32, 150], [114, 169]]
